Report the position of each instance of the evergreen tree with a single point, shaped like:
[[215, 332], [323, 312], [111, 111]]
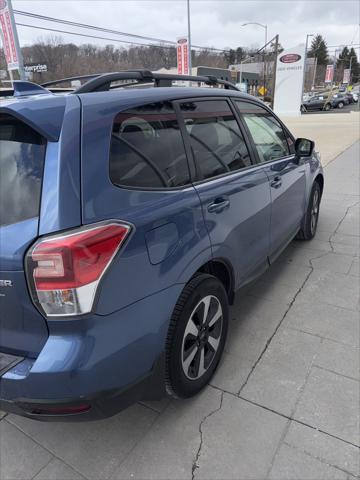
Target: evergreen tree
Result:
[[344, 59], [319, 50], [355, 66], [230, 56], [240, 54]]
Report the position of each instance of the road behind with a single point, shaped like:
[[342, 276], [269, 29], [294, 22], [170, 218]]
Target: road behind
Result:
[[284, 403]]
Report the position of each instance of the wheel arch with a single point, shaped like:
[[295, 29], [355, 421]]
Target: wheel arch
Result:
[[223, 271], [320, 180]]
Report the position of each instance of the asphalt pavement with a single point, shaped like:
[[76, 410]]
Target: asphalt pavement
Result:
[[284, 403]]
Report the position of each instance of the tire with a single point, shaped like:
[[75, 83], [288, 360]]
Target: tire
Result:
[[308, 231], [194, 345], [327, 107], [341, 105], [303, 109]]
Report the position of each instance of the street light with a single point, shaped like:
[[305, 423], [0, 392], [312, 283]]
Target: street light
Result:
[[265, 28], [258, 24]]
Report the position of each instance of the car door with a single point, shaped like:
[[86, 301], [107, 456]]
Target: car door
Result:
[[316, 103], [310, 105], [234, 193], [287, 175]]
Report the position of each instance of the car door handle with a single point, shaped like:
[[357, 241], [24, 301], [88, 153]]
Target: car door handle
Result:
[[277, 182], [218, 205]]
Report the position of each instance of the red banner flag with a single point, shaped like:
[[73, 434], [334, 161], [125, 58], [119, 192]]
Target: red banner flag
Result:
[[9, 36]]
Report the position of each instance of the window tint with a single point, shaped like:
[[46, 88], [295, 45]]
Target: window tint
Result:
[[216, 140], [267, 133], [147, 150], [22, 154]]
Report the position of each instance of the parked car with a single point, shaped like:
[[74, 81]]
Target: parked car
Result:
[[129, 219], [355, 96], [349, 97], [324, 102], [339, 100]]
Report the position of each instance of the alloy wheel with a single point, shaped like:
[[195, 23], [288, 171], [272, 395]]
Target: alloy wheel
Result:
[[202, 337]]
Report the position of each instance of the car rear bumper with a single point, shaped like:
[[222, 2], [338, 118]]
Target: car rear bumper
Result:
[[103, 405], [93, 367]]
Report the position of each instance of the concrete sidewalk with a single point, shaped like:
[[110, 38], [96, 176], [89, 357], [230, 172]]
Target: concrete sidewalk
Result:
[[284, 403]]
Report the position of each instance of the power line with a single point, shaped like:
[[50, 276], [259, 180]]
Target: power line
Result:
[[92, 36], [92, 27], [117, 32], [107, 30]]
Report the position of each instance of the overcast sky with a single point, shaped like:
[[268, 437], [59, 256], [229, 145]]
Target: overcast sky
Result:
[[216, 23]]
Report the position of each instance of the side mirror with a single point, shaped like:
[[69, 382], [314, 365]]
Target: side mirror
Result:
[[304, 147]]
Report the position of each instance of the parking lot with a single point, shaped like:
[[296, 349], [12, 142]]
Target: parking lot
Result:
[[284, 403]]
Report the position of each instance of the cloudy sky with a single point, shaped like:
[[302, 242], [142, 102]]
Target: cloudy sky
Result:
[[216, 23]]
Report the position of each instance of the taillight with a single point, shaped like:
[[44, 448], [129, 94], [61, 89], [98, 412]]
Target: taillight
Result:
[[64, 271]]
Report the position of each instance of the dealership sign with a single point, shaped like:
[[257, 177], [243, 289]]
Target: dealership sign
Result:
[[329, 75], [346, 78], [289, 81], [290, 58], [9, 36], [182, 56], [35, 68]]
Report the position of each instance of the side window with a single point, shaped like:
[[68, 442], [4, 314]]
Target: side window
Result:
[[147, 150], [267, 133], [22, 156], [216, 139]]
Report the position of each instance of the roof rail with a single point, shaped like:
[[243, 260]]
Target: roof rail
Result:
[[103, 82], [70, 79]]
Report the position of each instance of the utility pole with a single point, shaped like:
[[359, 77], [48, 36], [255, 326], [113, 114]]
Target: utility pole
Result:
[[314, 76], [353, 56], [189, 38], [10, 40], [274, 75], [264, 61], [334, 68], [304, 73]]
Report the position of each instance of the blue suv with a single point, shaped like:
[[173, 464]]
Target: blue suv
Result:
[[129, 217]]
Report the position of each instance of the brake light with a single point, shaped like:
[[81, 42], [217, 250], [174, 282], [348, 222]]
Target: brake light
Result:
[[64, 272]]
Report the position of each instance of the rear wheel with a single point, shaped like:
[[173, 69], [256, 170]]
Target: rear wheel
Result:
[[196, 336], [327, 107], [341, 105], [303, 109], [308, 230]]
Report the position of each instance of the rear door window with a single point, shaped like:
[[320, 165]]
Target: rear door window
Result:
[[22, 154], [147, 149], [216, 140]]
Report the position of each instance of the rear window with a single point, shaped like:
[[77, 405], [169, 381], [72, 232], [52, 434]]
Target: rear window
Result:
[[147, 150], [22, 153]]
